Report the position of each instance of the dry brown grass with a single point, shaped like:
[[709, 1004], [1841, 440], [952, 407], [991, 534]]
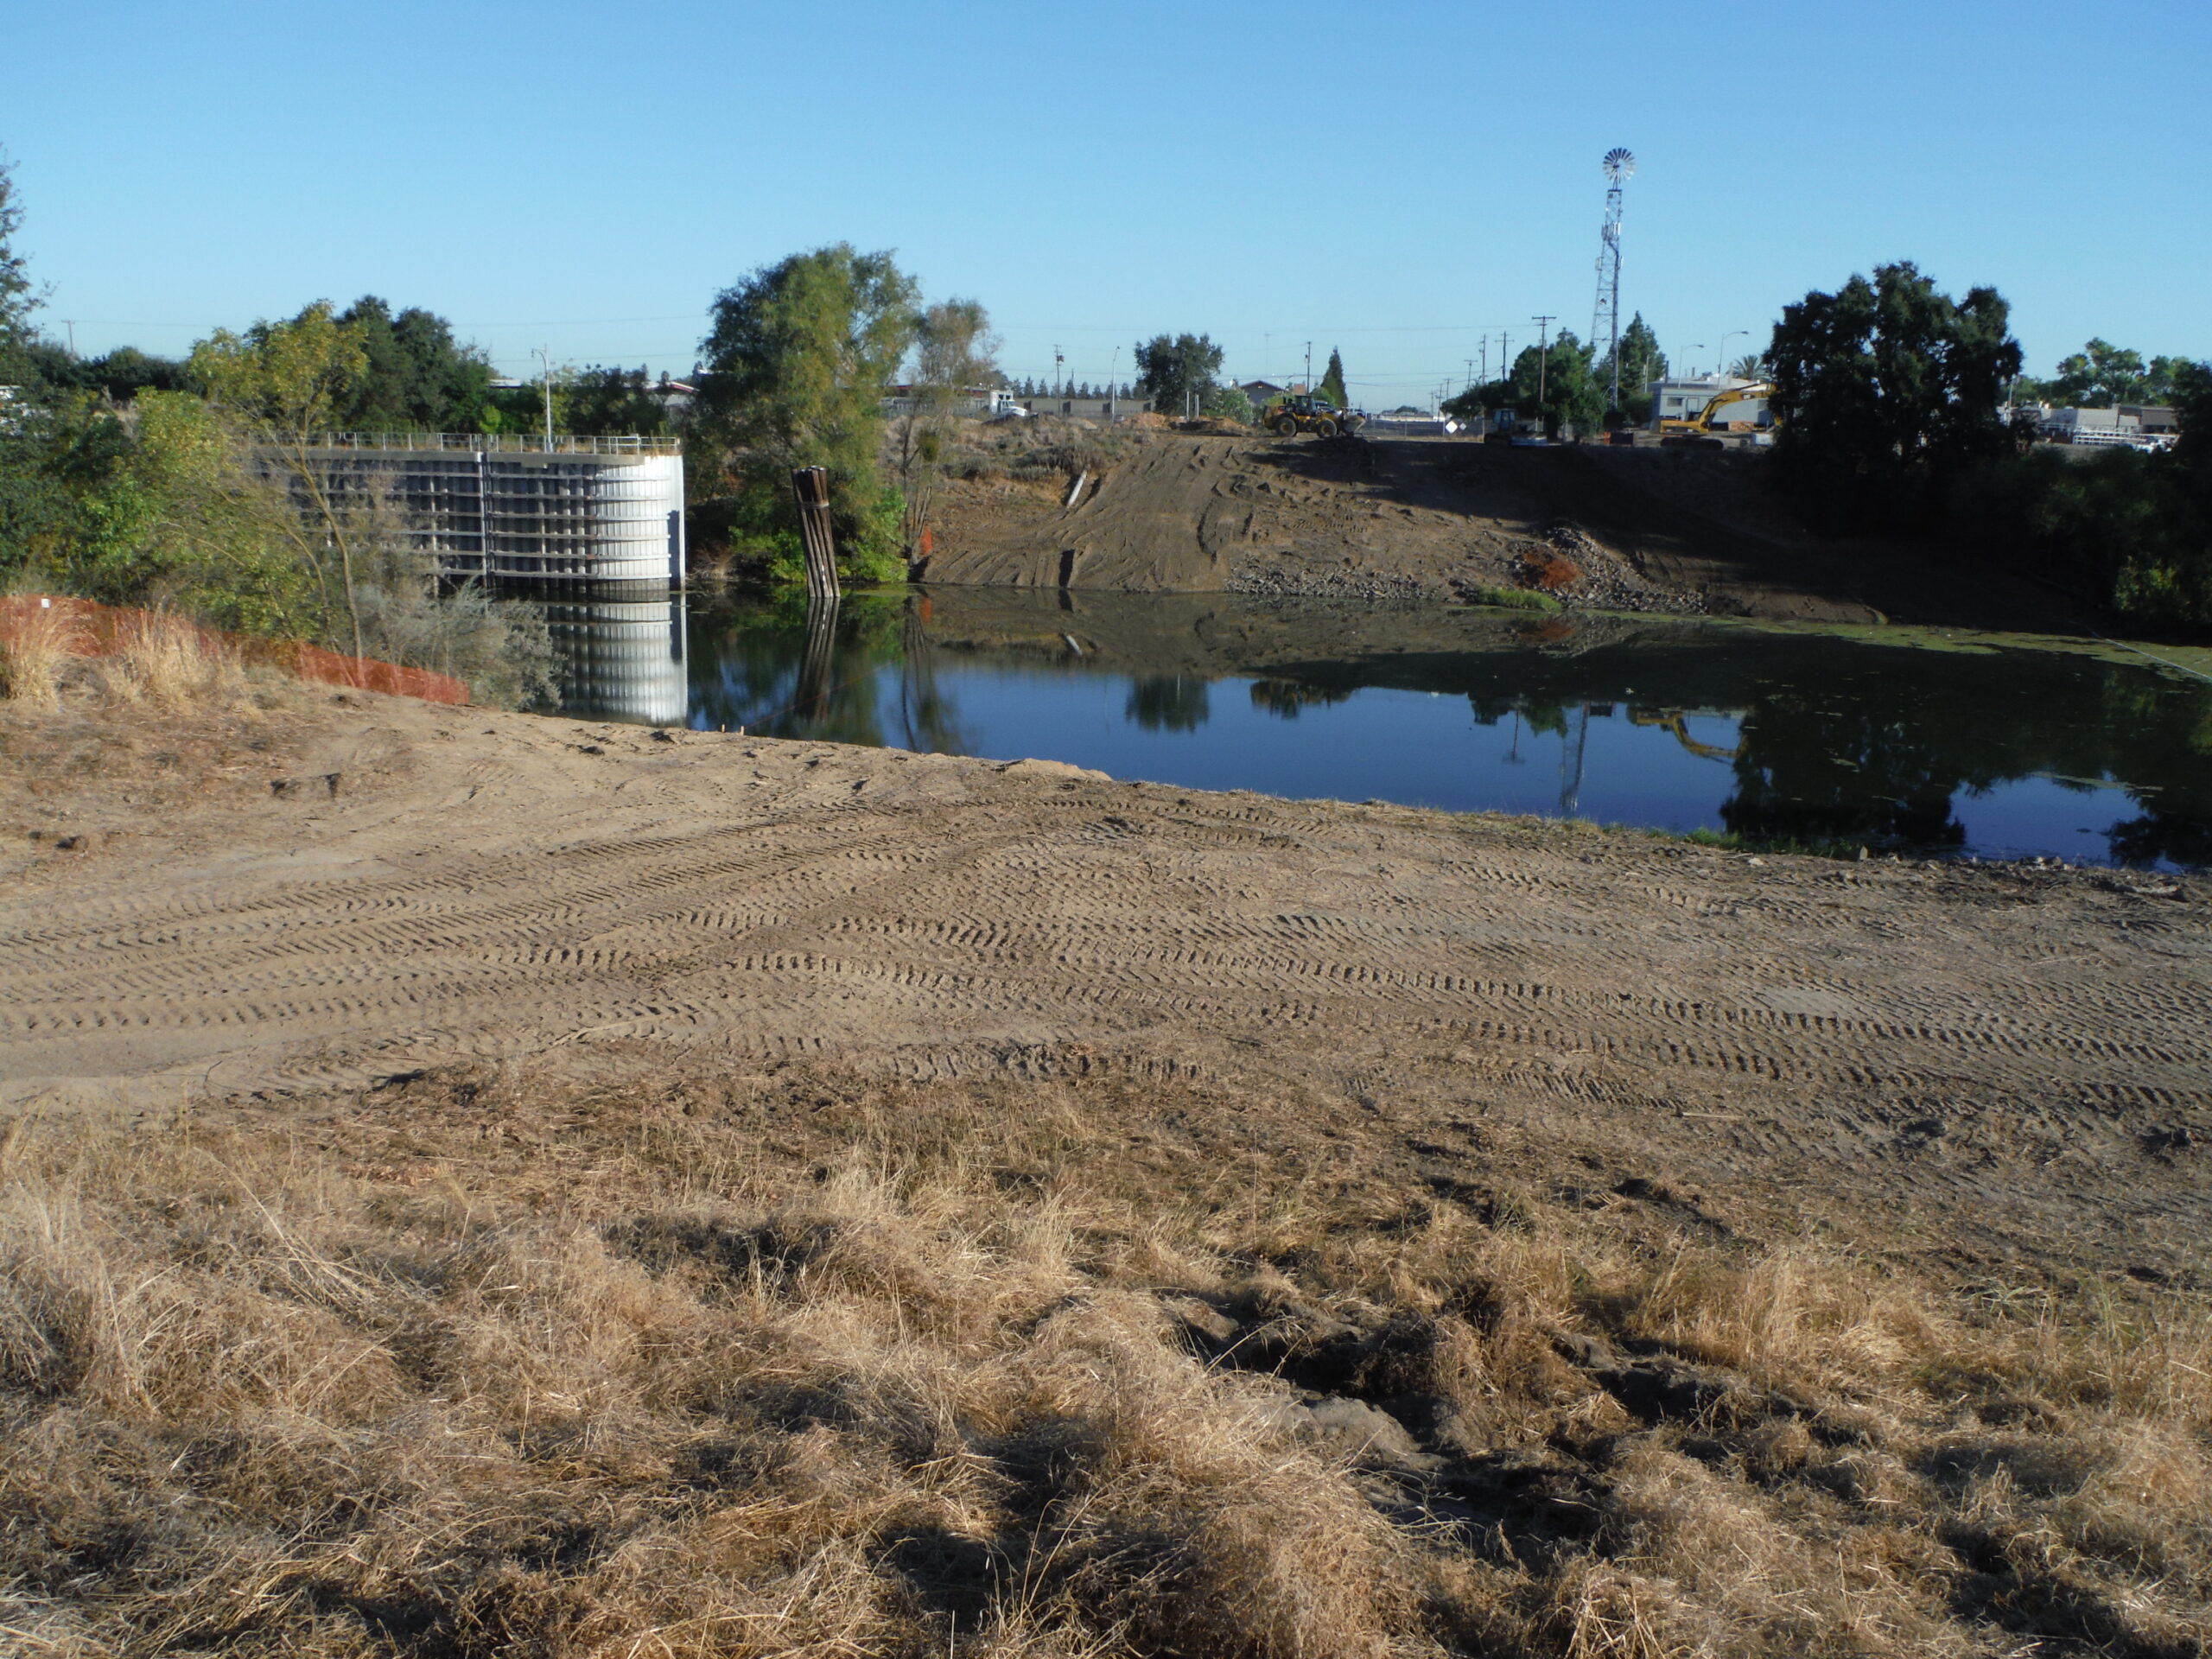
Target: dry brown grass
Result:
[[36, 642], [166, 660], [801, 1364]]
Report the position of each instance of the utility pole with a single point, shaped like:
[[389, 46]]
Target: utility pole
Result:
[[1113, 367], [1485, 360], [545, 353], [1056, 361], [72, 327], [1309, 368], [1543, 349]]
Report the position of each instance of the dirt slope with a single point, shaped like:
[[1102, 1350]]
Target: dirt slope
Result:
[[1997, 1059], [1656, 529]]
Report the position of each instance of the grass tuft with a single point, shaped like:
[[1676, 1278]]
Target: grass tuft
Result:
[[1510, 599], [35, 643], [164, 659]]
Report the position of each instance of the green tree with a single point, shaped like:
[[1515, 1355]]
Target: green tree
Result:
[[1230, 404], [614, 402], [1556, 386], [53, 457], [18, 297], [184, 518], [2101, 374], [125, 371], [415, 377], [1332, 381], [954, 350], [1567, 393], [1174, 372], [1641, 363], [1887, 390], [284, 383], [797, 360]]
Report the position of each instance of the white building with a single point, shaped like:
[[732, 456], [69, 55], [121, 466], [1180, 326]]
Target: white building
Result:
[[1684, 400], [2092, 426]]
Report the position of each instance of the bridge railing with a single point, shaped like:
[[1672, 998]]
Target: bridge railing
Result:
[[503, 442]]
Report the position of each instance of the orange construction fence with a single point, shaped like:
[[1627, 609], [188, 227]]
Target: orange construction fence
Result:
[[96, 630]]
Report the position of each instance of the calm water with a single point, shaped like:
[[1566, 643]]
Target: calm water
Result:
[[1995, 749]]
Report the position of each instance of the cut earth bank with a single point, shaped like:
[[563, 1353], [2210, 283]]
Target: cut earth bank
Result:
[[475, 1184], [1393, 517]]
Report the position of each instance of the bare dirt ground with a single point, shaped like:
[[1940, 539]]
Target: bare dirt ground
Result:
[[1983, 1058], [478, 1184], [1408, 518]]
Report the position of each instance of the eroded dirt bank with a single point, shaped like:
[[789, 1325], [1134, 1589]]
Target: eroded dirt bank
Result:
[[1403, 517], [319, 896]]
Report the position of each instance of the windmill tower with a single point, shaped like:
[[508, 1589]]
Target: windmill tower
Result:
[[1605, 324]]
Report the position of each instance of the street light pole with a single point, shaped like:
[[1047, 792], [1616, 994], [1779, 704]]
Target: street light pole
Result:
[[1724, 333], [545, 354], [1543, 351]]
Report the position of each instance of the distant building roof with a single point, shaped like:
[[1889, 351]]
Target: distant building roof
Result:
[[1702, 382]]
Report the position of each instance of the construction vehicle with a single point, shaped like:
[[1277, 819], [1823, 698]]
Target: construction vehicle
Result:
[[1506, 426], [1702, 428], [1315, 414]]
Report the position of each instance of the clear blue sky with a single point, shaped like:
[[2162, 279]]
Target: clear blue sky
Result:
[[1396, 180]]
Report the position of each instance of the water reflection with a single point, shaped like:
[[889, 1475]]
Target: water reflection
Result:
[[1169, 702], [622, 659], [1797, 736]]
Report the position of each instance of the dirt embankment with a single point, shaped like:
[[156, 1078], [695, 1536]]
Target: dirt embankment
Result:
[[1403, 518], [324, 896]]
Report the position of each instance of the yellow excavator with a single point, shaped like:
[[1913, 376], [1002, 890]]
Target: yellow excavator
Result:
[[1705, 426]]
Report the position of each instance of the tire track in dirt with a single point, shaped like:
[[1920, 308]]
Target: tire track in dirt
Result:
[[762, 902]]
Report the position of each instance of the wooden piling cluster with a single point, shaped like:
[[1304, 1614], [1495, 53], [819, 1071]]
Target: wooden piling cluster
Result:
[[810, 484]]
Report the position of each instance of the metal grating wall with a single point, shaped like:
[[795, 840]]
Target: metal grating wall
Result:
[[574, 516]]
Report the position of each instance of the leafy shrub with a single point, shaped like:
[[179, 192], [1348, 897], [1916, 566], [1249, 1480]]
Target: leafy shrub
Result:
[[2121, 528]]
